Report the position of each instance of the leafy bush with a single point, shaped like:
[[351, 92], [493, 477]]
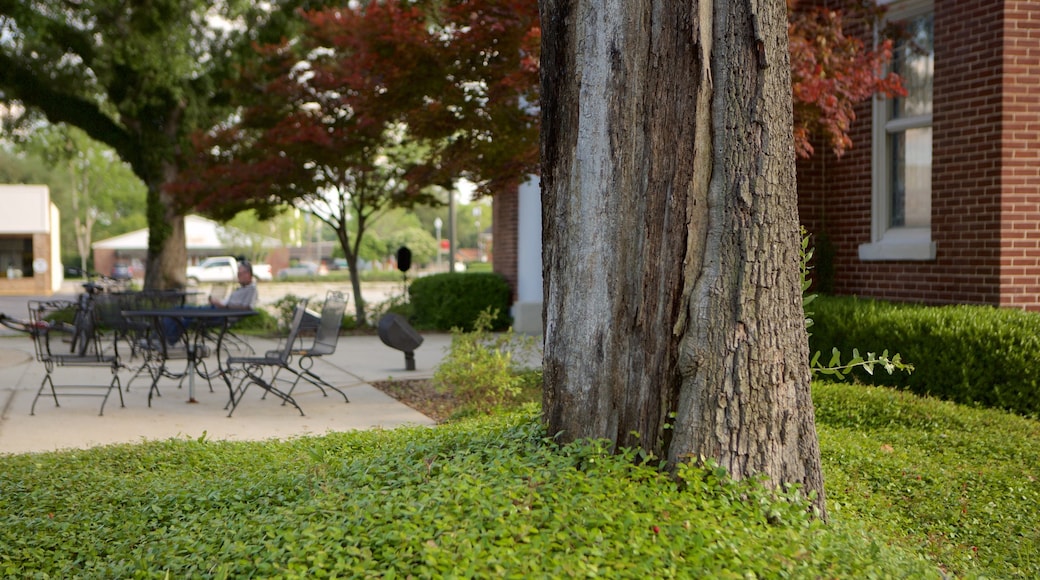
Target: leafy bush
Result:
[[261, 323], [285, 306], [487, 498], [474, 267], [480, 368], [395, 303], [968, 354], [365, 275], [446, 301]]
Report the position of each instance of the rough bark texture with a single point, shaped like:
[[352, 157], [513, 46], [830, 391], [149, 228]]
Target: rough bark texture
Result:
[[672, 293], [167, 241]]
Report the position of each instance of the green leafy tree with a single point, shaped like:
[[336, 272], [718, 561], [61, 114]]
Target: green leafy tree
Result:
[[417, 240], [139, 77], [102, 193], [248, 235], [398, 228]]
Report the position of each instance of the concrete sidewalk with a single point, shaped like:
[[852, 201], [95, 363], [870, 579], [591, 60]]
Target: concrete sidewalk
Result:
[[75, 424]]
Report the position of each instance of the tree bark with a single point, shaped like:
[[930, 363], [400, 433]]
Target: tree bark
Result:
[[673, 317], [165, 267]]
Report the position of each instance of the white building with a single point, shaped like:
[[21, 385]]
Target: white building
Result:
[[30, 252]]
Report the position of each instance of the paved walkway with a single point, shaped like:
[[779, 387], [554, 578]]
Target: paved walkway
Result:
[[75, 424]]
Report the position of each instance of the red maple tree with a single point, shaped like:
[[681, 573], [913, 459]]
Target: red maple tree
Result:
[[832, 69], [370, 106]]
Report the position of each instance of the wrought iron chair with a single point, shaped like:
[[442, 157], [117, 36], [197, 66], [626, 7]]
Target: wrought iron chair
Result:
[[326, 337], [48, 332], [108, 307], [253, 367]]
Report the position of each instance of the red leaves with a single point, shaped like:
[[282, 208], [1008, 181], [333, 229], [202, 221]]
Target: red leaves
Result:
[[458, 82], [451, 81], [832, 70]]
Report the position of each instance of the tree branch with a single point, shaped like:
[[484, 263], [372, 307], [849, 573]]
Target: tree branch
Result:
[[25, 85]]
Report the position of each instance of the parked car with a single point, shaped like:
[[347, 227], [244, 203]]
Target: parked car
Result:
[[301, 269], [223, 269], [122, 271]]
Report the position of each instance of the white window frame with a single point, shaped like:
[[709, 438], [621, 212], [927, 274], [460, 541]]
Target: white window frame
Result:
[[887, 242]]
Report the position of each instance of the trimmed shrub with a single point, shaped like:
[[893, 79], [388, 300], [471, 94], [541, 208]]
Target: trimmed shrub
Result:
[[261, 323], [446, 301], [968, 354]]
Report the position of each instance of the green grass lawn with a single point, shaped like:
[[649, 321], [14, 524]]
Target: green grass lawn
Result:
[[916, 488]]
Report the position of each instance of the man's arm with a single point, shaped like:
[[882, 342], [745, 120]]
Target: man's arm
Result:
[[242, 298]]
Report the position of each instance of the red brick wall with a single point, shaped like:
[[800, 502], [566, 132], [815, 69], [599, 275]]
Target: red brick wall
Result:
[[1020, 171], [835, 195], [504, 230]]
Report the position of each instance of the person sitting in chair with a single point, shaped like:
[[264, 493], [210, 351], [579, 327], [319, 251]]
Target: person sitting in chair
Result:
[[242, 298]]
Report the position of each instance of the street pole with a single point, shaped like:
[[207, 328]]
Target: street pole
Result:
[[451, 226], [437, 224]]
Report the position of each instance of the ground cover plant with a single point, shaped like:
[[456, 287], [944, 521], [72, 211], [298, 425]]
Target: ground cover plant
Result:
[[916, 488], [960, 485]]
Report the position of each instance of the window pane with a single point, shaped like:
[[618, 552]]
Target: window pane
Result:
[[912, 178], [914, 61], [15, 257]]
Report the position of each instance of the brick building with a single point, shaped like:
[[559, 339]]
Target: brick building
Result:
[[939, 200], [30, 249], [517, 230]]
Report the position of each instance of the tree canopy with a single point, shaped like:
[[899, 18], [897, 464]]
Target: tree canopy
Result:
[[139, 77], [367, 108], [96, 192]]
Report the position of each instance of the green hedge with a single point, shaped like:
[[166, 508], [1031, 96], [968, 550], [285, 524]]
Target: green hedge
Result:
[[446, 301], [968, 354]]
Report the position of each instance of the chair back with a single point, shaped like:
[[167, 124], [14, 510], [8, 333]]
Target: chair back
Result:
[[327, 335], [294, 332], [50, 318], [109, 310], [157, 299]]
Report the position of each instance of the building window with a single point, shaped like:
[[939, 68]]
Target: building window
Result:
[[16, 256], [902, 150]]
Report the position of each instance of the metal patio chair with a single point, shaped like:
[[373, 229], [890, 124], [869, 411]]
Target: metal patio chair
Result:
[[326, 337], [50, 336], [254, 367]]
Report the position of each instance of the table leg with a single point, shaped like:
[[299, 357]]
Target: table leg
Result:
[[191, 372]]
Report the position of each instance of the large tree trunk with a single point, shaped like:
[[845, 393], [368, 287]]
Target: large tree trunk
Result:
[[167, 244], [673, 316]]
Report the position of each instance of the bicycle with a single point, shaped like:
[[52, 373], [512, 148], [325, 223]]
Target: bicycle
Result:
[[81, 329]]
